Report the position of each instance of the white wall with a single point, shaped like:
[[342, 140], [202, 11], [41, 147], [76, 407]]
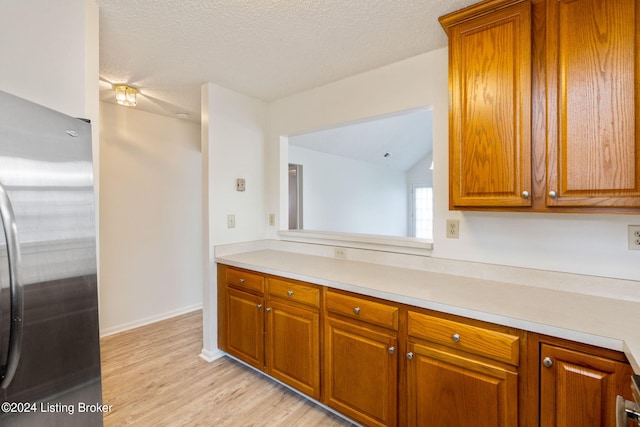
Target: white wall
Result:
[[232, 138], [49, 51], [587, 243], [347, 195], [151, 227]]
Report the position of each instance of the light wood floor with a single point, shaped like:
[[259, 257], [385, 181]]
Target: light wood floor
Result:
[[152, 376]]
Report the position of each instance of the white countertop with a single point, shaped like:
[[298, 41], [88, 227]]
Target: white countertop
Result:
[[604, 322]]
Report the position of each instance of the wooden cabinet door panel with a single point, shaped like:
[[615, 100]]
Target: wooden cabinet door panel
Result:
[[245, 327], [490, 120], [580, 389], [293, 347], [592, 95], [361, 373], [448, 390]]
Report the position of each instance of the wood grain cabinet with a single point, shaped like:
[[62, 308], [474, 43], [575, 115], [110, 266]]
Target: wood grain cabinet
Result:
[[293, 334], [382, 363], [580, 388], [544, 117], [490, 116], [456, 371], [361, 358], [243, 323], [272, 324]]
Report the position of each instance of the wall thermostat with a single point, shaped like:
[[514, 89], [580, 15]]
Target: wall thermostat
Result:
[[240, 185]]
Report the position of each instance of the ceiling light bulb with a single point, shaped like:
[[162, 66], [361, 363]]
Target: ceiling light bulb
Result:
[[126, 95]]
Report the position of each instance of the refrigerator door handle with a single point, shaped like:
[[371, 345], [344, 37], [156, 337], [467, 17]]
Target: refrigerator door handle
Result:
[[15, 287]]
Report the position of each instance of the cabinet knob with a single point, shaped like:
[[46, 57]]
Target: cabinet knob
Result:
[[455, 337], [410, 355], [525, 194], [547, 362], [356, 310], [391, 350], [241, 280], [259, 306], [289, 292], [268, 309], [553, 194]]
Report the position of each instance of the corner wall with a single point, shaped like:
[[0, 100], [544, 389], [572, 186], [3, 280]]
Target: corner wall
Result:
[[232, 138]]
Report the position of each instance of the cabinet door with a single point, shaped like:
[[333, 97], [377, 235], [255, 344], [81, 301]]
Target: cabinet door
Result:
[[361, 373], [592, 88], [448, 390], [580, 389], [490, 116], [293, 347], [245, 327]]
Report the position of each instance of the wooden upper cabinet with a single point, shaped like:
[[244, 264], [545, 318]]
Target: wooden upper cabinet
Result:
[[490, 116], [592, 96], [544, 105]]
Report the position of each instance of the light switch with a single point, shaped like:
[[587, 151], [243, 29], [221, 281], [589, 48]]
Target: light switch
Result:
[[240, 184]]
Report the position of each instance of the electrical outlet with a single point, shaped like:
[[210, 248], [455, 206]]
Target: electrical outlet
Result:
[[453, 229], [634, 237], [272, 220], [231, 221], [340, 253]]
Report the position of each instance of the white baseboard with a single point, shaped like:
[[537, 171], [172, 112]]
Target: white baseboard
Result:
[[210, 356], [148, 320]]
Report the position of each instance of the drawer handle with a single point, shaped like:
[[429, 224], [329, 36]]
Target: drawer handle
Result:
[[356, 310], [455, 337], [241, 280], [289, 292], [410, 355]]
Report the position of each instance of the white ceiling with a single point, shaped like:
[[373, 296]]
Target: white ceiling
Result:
[[407, 137], [266, 49]]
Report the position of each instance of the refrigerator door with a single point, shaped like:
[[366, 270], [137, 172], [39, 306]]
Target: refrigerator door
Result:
[[46, 170]]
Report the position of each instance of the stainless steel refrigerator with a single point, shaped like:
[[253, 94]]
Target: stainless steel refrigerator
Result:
[[49, 337]]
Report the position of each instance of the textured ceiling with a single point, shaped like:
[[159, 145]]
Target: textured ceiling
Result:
[[266, 49]]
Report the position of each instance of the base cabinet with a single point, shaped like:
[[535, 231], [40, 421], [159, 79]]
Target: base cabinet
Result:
[[382, 363], [361, 372], [455, 369], [579, 389], [445, 389], [245, 327], [273, 325], [293, 347]]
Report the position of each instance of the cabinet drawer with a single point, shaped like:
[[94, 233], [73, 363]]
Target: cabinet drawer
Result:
[[363, 309], [472, 339], [244, 279], [294, 291]]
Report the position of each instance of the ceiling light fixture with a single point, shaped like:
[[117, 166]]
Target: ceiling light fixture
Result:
[[126, 95]]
